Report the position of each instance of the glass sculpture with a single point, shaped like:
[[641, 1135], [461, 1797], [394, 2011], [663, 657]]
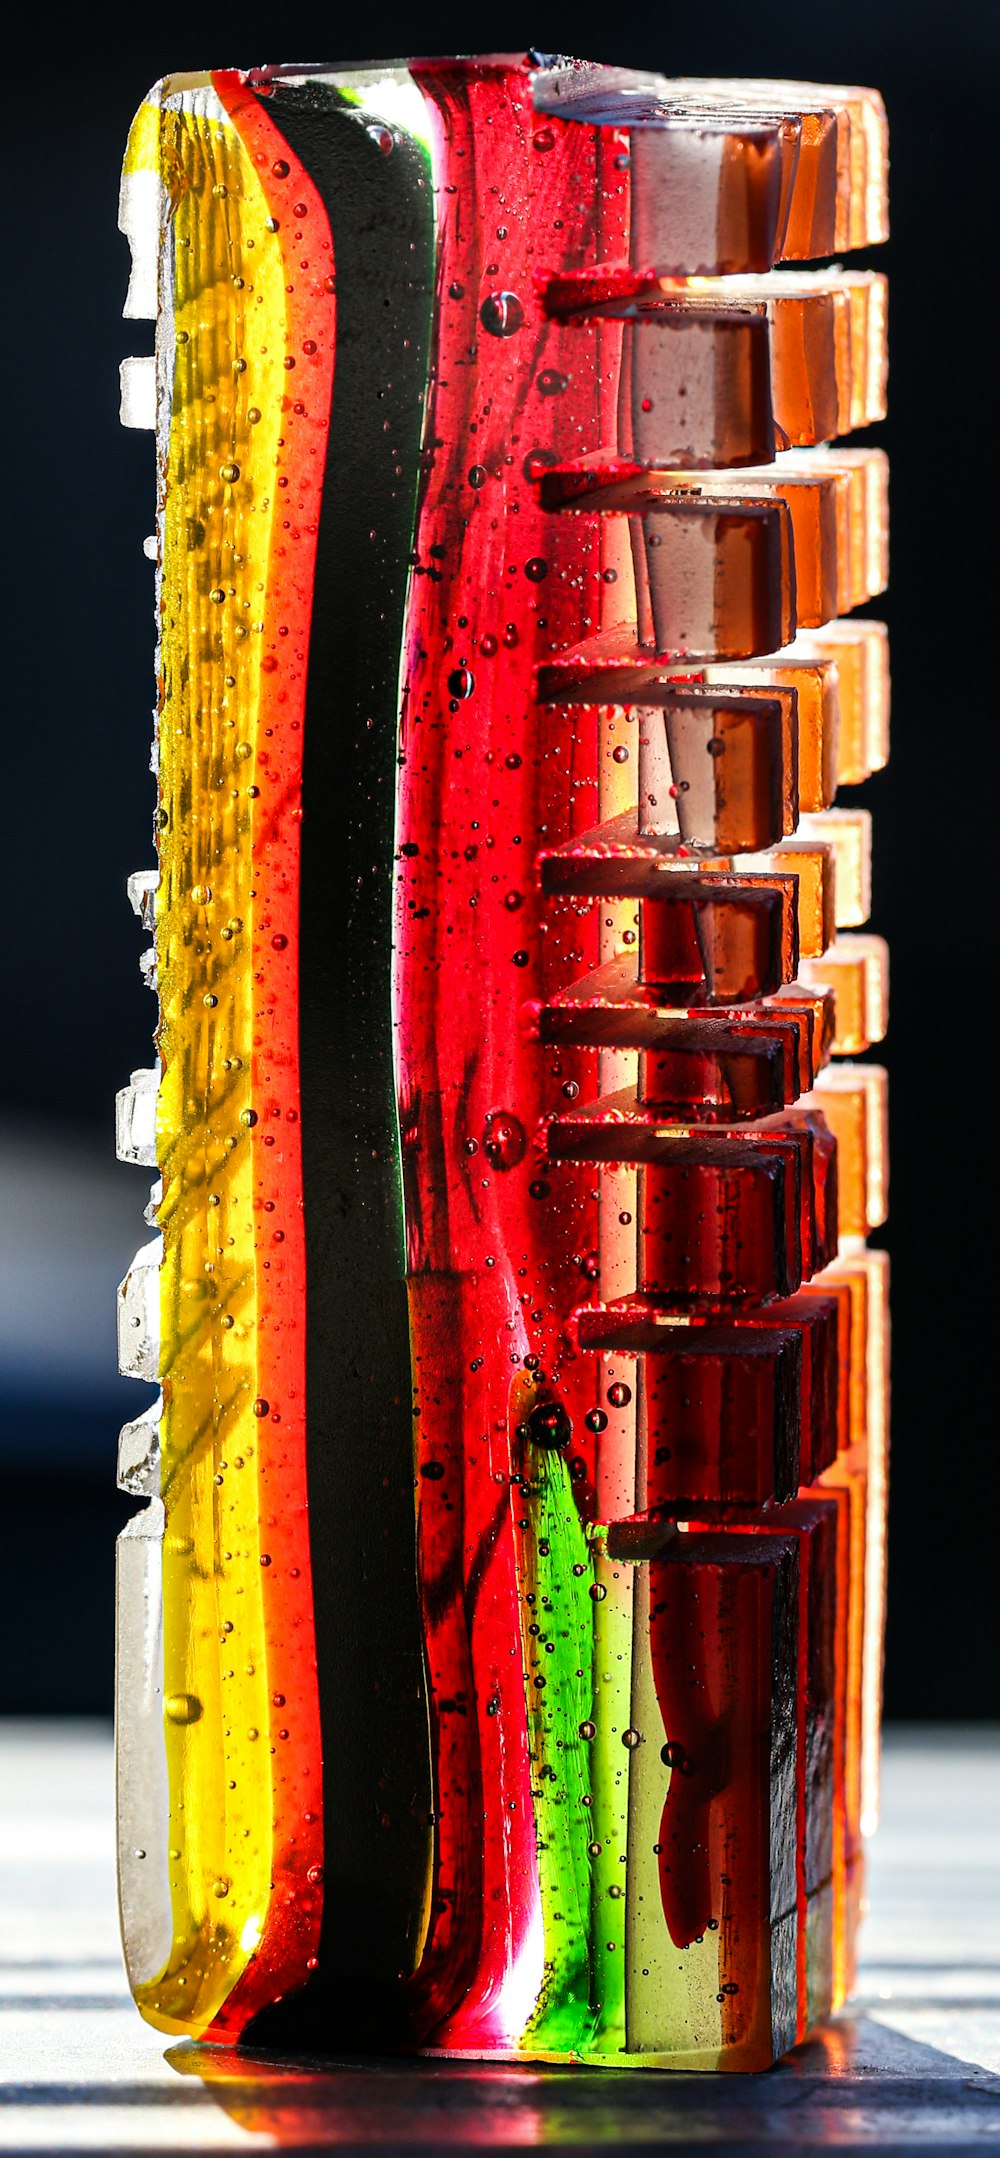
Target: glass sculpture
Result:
[[500, 1639]]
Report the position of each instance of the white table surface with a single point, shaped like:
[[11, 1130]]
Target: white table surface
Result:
[[914, 2065]]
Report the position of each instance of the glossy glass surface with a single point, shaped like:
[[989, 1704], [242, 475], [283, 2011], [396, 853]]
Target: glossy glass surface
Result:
[[499, 1646]]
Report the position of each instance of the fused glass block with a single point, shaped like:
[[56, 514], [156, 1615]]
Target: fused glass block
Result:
[[736, 1216], [808, 533], [677, 891], [829, 1860], [716, 1795], [696, 386], [848, 1476], [817, 717], [856, 969], [735, 1415], [849, 1473], [741, 366], [718, 767], [135, 1119], [715, 574], [709, 1074], [817, 695], [847, 1855], [837, 500], [704, 931], [141, 887], [815, 1521], [838, 507], [866, 1276], [847, 1278], [839, 199], [733, 761], [876, 1264], [842, 691], [485, 734], [142, 1791], [807, 1116], [725, 939], [814, 864], [710, 1066], [707, 192], [849, 1353], [854, 1099], [137, 407], [815, 1012], [860, 651], [719, 577], [848, 835], [829, 358], [139, 1315], [736, 176], [139, 1453], [753, 795], [840, 684]]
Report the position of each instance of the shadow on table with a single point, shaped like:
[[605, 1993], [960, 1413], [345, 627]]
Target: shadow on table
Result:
[[856, 2086]]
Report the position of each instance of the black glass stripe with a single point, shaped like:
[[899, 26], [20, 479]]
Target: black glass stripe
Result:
[[376, 1783]]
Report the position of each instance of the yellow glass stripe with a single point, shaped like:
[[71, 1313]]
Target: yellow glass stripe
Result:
[[216, 481]]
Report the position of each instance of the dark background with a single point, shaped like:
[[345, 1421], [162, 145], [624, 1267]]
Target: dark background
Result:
[[77, 798]]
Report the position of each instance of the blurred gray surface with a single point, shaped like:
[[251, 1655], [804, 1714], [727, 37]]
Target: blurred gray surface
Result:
[[913, 2066], [70, 1221]]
